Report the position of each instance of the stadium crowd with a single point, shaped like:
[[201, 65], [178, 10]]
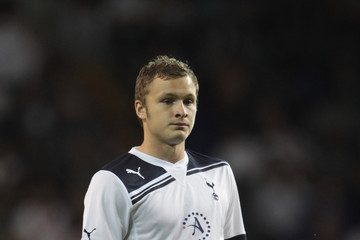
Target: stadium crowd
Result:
[[279, 99]]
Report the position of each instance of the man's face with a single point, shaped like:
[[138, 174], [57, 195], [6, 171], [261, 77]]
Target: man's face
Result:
[[170, 110]]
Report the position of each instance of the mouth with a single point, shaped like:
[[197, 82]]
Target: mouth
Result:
[[180, 124]]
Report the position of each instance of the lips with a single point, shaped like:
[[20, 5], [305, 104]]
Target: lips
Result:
[[180, 124]]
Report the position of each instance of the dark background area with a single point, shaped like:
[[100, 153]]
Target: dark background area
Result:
[[279, 100]]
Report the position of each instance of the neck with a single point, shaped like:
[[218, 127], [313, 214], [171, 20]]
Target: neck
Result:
[[170, 153]]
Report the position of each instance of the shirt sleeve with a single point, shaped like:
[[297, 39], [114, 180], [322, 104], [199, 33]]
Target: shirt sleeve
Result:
[[234, 225], [106, 208]]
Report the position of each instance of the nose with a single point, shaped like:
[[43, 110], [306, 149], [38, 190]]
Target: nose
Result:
[[181, 111]]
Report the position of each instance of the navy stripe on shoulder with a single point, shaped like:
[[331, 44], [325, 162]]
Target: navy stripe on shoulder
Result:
[[207, 168], [239, 237], [199, 162], [159, 184], [133, 171]]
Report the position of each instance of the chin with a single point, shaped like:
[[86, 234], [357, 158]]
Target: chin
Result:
[[176, 140]]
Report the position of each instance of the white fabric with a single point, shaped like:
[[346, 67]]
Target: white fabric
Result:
[[184, 209]]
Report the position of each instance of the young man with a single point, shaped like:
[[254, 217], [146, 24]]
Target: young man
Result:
[[159, 190]]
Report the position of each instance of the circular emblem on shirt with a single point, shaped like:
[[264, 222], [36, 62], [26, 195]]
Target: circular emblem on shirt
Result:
[[198, 225]]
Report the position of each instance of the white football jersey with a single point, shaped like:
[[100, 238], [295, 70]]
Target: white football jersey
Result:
[[140, 197]]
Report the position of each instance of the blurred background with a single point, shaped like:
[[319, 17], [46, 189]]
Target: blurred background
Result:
[[279, 100]]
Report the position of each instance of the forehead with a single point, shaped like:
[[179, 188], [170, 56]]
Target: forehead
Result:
[[182, 85]]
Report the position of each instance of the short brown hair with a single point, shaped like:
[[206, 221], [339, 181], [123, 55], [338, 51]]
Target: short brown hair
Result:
[[161, 67]]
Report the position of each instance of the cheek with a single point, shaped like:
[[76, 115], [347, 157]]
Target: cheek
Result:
[[193, 113], [192, 118]]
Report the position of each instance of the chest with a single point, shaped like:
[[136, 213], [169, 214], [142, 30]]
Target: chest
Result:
[[195, 207]]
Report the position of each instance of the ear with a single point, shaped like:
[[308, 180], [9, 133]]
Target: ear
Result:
[[140, 109]]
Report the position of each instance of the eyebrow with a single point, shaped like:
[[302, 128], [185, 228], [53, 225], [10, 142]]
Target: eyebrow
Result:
[[176, 95]]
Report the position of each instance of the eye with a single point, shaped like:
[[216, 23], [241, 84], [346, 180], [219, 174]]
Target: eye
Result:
[[188, 101], [167, 101]]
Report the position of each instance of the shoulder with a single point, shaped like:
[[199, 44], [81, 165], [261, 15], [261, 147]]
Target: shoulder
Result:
[[199, 161], [133, 171], [123, 161]]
